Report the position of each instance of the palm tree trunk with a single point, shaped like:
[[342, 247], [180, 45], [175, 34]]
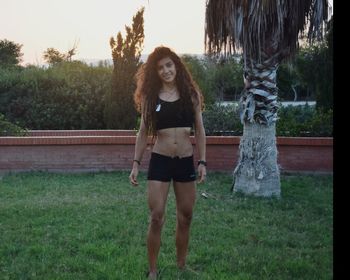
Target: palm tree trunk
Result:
[[257, 172]]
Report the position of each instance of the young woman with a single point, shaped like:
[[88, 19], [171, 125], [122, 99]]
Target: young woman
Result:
[[170, 105]]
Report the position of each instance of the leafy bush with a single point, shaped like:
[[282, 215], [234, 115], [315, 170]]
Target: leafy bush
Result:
[[304, 121], [9, 129], [294, 121], [68, 95], [220, 119]]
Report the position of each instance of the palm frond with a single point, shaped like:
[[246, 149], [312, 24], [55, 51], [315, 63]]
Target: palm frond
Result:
[[250, 25]]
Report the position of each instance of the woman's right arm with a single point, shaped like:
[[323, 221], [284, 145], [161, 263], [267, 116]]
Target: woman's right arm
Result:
[[140, 147]]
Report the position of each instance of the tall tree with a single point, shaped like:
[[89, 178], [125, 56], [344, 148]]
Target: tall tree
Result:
[[10, 53], [266, 32], [120, 112]]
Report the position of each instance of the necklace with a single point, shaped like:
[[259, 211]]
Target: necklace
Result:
[[159, 106]]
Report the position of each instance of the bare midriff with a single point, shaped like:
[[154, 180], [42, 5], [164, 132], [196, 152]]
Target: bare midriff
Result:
[[174, 142]]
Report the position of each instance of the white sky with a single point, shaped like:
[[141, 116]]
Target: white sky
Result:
[[41, 24]]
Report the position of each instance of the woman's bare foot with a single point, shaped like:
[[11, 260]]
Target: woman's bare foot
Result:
[[181, 265], [152, 275]]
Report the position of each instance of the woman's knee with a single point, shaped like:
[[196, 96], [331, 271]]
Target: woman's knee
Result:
[[157, 218], [184, 218]]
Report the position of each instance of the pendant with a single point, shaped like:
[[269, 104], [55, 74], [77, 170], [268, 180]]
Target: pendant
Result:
[[158, 107]]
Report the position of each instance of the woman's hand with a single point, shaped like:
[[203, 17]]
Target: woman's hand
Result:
[[202, 173], [133, 175]]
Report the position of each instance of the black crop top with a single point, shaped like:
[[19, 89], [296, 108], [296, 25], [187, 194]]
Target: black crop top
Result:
[[169, 114]]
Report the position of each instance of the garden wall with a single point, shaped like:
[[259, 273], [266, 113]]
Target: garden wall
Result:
[[108, 150]]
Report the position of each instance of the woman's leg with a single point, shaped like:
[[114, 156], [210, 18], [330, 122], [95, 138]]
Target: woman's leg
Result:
[[157, 197], [185, 199]]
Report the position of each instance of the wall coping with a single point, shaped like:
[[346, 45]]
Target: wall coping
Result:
[[115, 137], [86, 132]]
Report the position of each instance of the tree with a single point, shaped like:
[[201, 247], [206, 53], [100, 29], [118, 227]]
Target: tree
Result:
[[198, 68], [120, 112], [226, 78], [53, 56], [71, 52], [10, 53], [315, 67], [324, 97], [266, 32]]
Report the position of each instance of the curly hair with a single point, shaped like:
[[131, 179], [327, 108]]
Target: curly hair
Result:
[[149, 84]]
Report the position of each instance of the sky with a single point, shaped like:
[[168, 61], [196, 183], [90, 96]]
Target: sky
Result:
[[59, 24]]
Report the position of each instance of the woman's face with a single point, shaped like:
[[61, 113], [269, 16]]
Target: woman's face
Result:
[[166, 70]]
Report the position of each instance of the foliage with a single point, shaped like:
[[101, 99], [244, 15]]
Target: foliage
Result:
[[227, 78], [219, 119], [68, 95], [259, 28], [16, 89], [73, 95], [294, 121], [315, 69], [222, 80], [304, 121], [53, 56], [288, 83], [10, 53], [74, 100], [315, 72], [93, 226], [218, 80], [120, 112], [200, 71], [9, 129]]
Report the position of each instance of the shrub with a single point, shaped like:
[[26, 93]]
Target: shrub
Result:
[[220, 119], [68, 95], [304, 121], [294, 121], [9, 129]]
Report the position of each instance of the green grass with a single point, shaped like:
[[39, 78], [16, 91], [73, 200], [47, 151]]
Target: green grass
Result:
[[93, 226]]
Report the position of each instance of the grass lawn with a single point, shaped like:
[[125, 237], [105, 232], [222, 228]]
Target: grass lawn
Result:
[[93, 226]]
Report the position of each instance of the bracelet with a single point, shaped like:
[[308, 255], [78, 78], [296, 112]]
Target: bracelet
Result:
[[138, 162], [203, 162]]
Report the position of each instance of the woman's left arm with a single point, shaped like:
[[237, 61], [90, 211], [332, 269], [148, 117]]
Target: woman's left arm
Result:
[[200, 143]]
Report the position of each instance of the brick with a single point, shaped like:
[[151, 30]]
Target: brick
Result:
[[93, 150]]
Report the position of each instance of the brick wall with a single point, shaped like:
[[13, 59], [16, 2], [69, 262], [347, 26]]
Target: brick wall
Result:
[[77, 151]]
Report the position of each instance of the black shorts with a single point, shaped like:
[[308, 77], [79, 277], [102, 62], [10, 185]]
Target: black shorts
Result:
[[164, 168]]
